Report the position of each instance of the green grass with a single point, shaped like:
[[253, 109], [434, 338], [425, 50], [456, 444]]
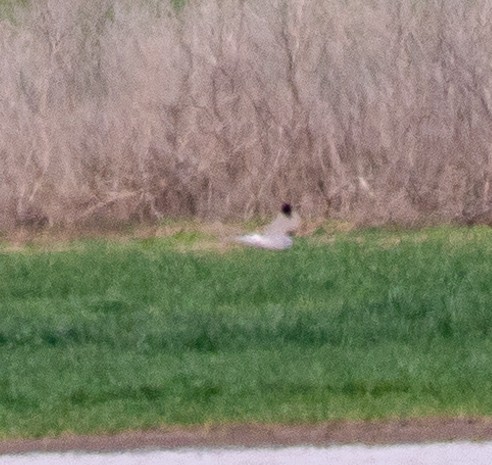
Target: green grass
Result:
[[107, 336], [9, 7]]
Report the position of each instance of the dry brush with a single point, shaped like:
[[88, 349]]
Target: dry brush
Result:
[[114, 111]]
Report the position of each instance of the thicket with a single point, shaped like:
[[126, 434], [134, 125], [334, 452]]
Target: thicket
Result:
[[374, 111]]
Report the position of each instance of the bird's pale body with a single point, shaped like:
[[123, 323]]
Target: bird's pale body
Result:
[[276, 235]]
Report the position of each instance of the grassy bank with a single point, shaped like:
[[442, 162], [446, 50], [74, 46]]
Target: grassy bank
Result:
[[104, 335]]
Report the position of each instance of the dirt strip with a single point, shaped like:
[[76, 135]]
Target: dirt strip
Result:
[[257, 435]]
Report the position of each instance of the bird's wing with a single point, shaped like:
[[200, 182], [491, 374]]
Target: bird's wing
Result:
[[275, 242], [250, 239]]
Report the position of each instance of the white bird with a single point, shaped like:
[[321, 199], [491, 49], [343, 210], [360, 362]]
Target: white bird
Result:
[[276, 235]]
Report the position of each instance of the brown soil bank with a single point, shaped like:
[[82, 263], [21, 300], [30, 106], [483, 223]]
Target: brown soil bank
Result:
[[251, 435]]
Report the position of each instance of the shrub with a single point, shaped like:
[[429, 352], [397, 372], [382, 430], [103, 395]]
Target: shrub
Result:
[[374, 112]]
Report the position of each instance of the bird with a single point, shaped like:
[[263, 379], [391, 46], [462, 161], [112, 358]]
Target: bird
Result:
[[277, 235]]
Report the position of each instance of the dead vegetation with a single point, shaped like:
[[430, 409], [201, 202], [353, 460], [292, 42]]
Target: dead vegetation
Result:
[[375, 112]]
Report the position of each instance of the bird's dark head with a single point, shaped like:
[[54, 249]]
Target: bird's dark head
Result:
[[287, 209]]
